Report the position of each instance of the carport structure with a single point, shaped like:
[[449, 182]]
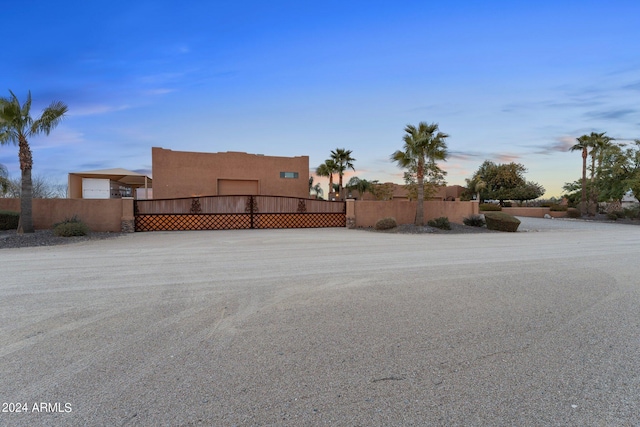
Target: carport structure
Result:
[[119, 176]]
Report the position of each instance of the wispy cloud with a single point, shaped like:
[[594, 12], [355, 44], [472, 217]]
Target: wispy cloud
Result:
[[507, 158], [562, 144], [61, 137], [157, 92], [632, 86], [95, 109], [464, 155], [161, 78], [611, 114]]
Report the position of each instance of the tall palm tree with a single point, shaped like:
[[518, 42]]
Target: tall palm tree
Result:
[[327, 169], [583, 146], [423, 146], [599, 143], [344, 161], [17, 125]]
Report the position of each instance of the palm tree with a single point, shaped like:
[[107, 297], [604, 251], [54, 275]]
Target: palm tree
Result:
[[476, 185], [315, 188], [583, 145], [423, 146], [327, 169], [16, 125], [599, 143], [344, 161], [361, 185]]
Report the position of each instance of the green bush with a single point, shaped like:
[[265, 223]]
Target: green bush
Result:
[[386, 224], [441, 223], [573, 213], [71, 227], [474, 221], [501, 221], [9, 220], [490, 207], [632, 212], [612, 216]]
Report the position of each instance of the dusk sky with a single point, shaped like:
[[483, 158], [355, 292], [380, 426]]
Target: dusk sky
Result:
[[507, 80]]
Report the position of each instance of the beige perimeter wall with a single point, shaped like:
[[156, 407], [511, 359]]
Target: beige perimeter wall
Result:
[[99, 214], [367, 213]]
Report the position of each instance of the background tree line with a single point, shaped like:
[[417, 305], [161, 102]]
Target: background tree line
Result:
[[613, 169]]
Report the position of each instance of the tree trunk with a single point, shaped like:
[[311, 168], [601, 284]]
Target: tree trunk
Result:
[[330, 186], [593, 198], [583, 201], [25, 224], [420, 206]]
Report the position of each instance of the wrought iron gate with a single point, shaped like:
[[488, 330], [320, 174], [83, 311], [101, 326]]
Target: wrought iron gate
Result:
[[237, 212]]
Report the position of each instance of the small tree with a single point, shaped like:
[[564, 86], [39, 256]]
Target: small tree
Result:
[[382, 191], [42, 188], [360, 185], [4, 179], [504, 182]]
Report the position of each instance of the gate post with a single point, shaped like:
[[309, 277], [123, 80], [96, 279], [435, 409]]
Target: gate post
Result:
[[127, 221], [251, 210], [350, 213]]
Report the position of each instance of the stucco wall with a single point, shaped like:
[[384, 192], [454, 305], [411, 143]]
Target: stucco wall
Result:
[[185, 174], [98, 214], [367, 213]]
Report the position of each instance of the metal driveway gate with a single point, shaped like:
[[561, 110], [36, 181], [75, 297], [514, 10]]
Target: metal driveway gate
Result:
[[237, 212]]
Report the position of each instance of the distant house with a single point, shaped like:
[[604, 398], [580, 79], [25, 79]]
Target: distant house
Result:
[[185, 174]]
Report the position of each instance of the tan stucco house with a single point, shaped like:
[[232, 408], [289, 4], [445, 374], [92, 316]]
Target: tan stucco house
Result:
[[186, 174]]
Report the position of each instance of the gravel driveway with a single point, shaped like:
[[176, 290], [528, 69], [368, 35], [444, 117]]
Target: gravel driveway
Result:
[[325, 326]]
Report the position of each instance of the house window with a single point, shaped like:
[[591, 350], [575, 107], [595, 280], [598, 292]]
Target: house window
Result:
[[289, 175]]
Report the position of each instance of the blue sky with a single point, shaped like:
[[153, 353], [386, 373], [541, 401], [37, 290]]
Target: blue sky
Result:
[[507, 80]]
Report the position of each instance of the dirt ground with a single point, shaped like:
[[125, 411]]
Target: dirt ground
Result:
[[325, 326]]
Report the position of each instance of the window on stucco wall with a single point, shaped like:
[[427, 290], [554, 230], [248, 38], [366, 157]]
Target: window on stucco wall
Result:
[[289, 175]]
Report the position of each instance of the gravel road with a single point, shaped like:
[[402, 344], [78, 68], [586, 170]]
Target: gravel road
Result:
[[325, 327]]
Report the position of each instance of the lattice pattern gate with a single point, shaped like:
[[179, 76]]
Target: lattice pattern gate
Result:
[[237, 212]]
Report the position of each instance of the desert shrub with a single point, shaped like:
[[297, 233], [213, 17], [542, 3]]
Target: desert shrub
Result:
[[573, 213], [501, 221], [615, 215], [441, 223], [490, 207], [558, 208], [9, 220], [474, 221], [71, 227], [632, 212], [386, 224]]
